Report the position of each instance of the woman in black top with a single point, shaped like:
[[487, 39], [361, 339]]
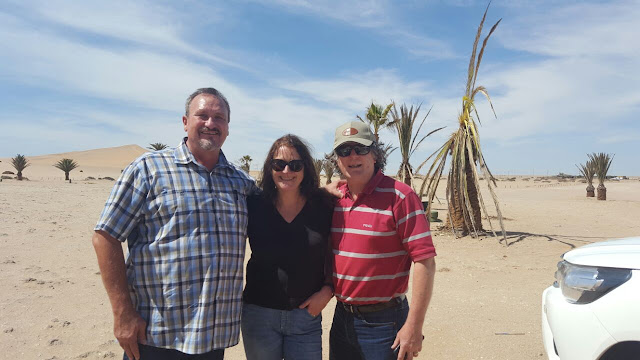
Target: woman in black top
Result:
[[288, 284]]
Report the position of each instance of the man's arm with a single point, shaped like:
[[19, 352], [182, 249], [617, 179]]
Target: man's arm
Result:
[[128, 326], [409, 337]]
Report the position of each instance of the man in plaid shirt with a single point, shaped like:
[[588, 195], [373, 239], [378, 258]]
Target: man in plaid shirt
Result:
[[183, 214]]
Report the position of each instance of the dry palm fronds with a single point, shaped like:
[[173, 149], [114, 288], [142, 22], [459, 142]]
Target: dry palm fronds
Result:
[[463, 147]]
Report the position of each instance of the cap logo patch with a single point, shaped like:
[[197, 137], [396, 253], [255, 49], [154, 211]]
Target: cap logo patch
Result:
[[350, 131]]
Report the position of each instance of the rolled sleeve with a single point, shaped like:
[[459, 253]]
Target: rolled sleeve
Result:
[[122, 211], [413, 228]]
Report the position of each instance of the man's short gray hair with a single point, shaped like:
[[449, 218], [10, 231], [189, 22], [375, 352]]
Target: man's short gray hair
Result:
[[209, 91], [378, 157]]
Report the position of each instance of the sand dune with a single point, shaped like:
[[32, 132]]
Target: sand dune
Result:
[[96, 163]]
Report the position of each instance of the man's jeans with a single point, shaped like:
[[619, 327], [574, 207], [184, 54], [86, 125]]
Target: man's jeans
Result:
[[366, 335], [276, 334], [155, 353]]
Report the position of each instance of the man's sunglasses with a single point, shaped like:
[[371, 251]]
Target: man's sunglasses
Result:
[[344, 151], [294, 165]]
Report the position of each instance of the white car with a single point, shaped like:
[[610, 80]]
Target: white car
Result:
[[592, 311]]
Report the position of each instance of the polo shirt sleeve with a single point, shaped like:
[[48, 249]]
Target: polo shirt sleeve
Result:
[[122, 212], [413, 228]]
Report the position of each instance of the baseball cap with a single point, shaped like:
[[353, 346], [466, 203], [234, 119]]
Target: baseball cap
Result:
[[353, 131]]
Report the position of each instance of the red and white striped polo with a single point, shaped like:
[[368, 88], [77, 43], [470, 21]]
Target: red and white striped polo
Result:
[[375, 239]]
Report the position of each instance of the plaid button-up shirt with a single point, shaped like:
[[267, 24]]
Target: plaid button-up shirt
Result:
[[186, 229]]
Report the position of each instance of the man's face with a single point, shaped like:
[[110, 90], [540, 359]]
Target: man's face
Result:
[[207, 125], [357, 169]]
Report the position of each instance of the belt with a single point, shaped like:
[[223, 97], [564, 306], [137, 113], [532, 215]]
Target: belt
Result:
[[369, 308]]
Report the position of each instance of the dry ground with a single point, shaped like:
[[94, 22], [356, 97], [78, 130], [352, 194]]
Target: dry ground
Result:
[[53, 305]]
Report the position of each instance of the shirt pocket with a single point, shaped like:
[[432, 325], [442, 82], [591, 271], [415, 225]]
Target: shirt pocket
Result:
[[180, 214], [231, 211]]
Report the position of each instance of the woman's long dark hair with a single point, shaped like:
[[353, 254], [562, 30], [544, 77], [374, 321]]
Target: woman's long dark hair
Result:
[[310, 182]]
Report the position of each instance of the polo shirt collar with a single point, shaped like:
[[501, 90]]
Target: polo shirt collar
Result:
[[371, 185], [183, 155]]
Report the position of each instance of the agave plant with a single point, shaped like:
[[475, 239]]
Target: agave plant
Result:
[[20, 163], [66, 165], [404, 122], [601, 163], [245, 163], [588, 171], [377, 117], [328, 167], [157, 146], [465, 201]]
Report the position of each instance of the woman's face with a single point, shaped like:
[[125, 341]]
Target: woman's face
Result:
[[287, 179]]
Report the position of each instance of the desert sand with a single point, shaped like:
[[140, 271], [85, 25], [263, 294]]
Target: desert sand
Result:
[[486, 302]]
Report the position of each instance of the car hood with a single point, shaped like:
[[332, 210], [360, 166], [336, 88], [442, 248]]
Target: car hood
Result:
[[621, 253]]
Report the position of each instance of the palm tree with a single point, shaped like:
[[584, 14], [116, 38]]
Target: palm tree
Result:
[[66, 165], [157, 146], [387, 149], [463, 146], [601, 163], [328, 167], [377, 117], [245, 163], [404, 127], [588, 171], [318, 165], [20, 163]]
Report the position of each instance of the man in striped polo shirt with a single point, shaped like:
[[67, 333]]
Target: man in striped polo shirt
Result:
[[379, 228]]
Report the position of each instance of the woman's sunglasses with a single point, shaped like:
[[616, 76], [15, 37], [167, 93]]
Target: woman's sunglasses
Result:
[[344, 151], [294, 165]]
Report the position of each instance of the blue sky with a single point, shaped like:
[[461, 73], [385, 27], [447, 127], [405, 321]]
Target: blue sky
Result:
[[563, 75]]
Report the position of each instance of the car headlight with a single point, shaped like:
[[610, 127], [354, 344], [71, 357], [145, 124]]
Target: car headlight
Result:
[[585, 284]]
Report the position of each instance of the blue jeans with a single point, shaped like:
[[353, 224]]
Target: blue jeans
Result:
[[281, 334], [366, 335]]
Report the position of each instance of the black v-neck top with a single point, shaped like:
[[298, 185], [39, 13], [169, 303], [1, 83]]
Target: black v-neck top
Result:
[[287, 263]]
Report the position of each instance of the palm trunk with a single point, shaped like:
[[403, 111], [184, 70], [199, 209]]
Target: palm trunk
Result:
[[19, 175], [473, 198], [602, 192], [461, 222], [407, 176], [455, 218], [66, 175], [590, 191]]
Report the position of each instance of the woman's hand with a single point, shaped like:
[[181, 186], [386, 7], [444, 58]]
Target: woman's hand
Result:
[[316, 302]]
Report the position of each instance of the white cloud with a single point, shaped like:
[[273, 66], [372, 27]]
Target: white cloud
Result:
[[141, 22], [577, 30], [355, 91], [380, 16], [362, 13]]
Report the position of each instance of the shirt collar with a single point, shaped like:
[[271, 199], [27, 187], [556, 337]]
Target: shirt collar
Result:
[[183, 155], [371, 185]]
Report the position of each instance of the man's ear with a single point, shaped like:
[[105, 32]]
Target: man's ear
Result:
[[184, 122]]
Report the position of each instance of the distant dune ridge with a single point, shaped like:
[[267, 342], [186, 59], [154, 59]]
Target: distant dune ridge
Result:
[[95, 163]]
